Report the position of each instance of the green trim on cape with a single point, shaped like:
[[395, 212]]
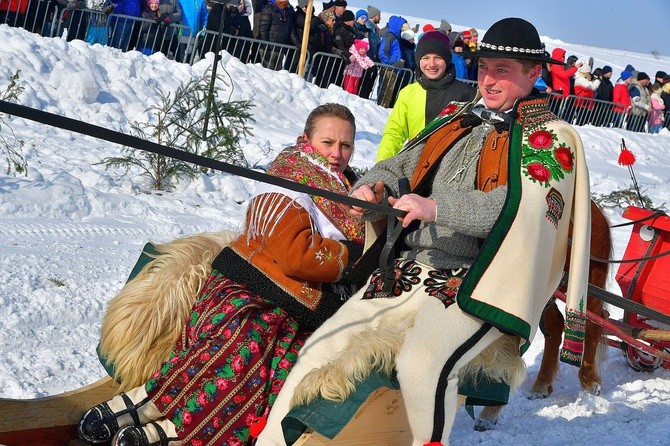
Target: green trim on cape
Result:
[[497, 317]]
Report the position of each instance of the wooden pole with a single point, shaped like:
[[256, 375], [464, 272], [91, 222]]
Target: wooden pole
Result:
[[305, 38]]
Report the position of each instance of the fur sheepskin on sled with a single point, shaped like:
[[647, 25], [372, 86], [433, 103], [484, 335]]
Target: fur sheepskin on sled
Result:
[[143, 322], [375, 349]]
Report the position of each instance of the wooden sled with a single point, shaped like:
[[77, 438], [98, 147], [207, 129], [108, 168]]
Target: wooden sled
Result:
[[374, 415], [380, 421], [52, 420]]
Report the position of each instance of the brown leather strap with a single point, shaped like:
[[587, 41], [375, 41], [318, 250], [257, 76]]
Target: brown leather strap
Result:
[[492, 165], [436, 146]]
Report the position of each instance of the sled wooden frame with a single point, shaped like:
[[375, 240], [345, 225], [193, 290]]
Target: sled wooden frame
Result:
[[50, 420], [53, 420], [381, 419]]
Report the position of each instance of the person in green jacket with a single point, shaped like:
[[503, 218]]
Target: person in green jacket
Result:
[[422, 101]]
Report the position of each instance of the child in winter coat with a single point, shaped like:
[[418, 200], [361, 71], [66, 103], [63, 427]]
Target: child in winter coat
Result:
[[359, 63], [655, 117], [152, 35]]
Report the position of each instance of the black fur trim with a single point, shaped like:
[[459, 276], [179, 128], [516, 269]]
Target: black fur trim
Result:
[[233, 266]]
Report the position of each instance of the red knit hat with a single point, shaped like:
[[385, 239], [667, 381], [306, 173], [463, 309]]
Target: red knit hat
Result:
[[361, 43], [428, 27]]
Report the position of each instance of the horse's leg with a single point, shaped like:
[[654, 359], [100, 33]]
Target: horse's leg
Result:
[[552, 327], [601, 246], [488, 418], [589, 378]]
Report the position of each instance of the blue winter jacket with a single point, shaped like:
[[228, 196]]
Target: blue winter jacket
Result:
[[194, 15], [460, 64], [127, 7], [389, 48]]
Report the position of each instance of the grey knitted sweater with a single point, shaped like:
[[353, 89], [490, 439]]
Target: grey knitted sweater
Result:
[[464, 214]]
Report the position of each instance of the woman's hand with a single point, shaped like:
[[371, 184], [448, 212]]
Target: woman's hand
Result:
[[366, 193], [417, 207]]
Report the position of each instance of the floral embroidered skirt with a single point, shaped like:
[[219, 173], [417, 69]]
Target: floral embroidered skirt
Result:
[[228, 366]]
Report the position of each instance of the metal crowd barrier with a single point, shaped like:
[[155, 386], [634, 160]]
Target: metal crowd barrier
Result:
[[125, 33], [271, 55], [580, 111], [34, 15], [380, 83]]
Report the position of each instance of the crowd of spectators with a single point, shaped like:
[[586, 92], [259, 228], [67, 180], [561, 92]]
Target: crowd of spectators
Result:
[[585, 95], [580, 93]]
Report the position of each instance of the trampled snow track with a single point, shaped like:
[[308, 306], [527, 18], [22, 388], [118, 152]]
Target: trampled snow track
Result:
[[67, 230], [56, 278]]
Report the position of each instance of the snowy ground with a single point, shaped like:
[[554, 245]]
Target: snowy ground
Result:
[[70, 230]]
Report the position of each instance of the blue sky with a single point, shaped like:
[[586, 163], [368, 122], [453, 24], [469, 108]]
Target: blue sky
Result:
[[633, 25]]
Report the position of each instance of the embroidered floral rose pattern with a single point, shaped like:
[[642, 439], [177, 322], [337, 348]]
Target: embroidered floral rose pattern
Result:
[[443, 284], [543, 160], [406, 276], [229, 367], [449, 109]]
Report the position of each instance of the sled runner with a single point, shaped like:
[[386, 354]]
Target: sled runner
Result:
[[50, 420]]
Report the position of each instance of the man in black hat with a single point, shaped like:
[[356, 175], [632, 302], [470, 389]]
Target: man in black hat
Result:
[[493, 185], [659, 77], [340, 7]]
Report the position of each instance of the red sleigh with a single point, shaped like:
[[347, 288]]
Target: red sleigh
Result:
[[644, 332], [647, 282]]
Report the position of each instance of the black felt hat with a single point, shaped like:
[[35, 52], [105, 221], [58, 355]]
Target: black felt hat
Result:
[[513, 38], [347, 16]]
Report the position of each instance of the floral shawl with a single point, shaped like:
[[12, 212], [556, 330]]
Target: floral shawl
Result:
[[303, 164]]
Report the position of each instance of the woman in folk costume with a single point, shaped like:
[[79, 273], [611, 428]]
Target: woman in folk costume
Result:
[[485, 242], [266, 293]]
